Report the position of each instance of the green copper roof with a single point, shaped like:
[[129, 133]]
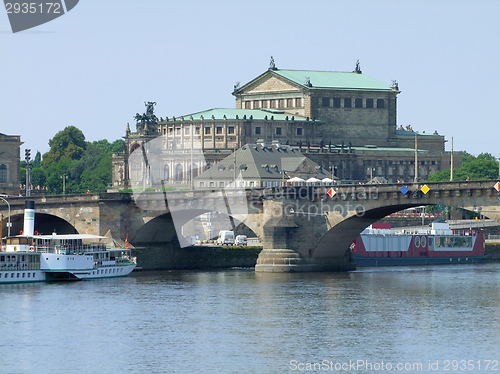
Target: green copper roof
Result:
[[231, 113], [333, 79]]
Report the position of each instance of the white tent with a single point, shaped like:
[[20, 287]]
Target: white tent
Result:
[[295, 179], [327, 180], [312, 181]]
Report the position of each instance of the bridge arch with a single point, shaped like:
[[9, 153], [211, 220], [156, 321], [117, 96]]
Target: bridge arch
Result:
[[44, 224], [164, 229]]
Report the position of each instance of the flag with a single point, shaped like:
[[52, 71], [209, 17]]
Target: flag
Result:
[[126, 241]]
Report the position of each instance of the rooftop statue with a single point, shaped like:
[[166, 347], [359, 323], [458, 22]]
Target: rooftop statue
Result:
[[272, 65], [148, 117]]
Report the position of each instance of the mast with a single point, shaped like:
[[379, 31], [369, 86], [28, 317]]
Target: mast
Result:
[[451, 169]]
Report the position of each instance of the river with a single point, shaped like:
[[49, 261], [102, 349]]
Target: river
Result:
[[418, 319]]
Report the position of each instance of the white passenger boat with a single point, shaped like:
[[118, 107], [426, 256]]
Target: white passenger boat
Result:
[[37, 258]]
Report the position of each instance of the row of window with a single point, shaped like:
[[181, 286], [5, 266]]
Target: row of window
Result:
[[222, 184], [19, 275], [405, 162], [219, 130], [240, 184], [105, 271], [348, 103], [207, 131], [278, 131], [274, 103]]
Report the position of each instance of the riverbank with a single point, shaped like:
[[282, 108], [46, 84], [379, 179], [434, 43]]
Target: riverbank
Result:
[[492, 250], [214, 257]]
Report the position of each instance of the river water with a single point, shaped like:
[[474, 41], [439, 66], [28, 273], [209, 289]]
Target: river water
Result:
[[418, 319]]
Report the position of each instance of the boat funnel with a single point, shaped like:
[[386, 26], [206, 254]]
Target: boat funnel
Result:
[[29, 218]]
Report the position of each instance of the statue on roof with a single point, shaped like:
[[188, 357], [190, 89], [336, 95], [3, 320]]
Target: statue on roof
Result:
[[357, 68], [308, 82], [148, 117], [395, 85], [236, 86], [272, 65]]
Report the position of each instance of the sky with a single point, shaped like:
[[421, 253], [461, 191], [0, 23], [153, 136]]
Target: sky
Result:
[[95, 66]]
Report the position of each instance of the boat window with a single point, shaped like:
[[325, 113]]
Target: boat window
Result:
[[29, 274], [422, 241], [34, 275], [17, 275], [417, 241], [431, 242], [24, 274]]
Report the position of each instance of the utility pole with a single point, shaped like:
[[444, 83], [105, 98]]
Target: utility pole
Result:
[[192, 136], [27, 157], [451, 168], [416, 159], [234, 168], [64, 183]]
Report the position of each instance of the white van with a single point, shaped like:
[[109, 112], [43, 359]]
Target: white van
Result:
[[240, 240], [225, 237]]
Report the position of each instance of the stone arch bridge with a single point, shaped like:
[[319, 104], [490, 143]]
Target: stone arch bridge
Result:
[[301, 228]]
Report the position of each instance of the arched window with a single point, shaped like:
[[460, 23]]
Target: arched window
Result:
[[166, 173], [134, 147], [178, 172], [195, 170], [3, 173]]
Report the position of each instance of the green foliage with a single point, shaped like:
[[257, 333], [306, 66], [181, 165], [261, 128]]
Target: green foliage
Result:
[[82, 166], [66, 144], [484, 166]]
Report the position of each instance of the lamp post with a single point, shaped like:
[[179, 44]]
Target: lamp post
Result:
[[64, 183], [9, 224], [451, 161], [416, 159]]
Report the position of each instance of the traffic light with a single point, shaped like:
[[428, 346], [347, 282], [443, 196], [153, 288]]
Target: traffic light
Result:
[[27, 155]]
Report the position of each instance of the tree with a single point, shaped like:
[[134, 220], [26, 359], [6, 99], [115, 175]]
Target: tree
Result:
[[84, 165], [68, 143], [481, 167]]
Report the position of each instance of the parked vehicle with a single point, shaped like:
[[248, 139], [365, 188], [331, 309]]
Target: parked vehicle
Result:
[[225, 237], [240, 240]]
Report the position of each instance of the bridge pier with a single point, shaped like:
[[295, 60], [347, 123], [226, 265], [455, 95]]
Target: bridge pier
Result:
[[289, 261], [289, 241]]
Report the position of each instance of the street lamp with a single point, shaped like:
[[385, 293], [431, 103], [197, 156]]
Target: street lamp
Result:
[[9, 224], [64, 183]]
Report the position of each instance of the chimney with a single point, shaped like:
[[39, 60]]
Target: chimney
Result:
[[29, 218]]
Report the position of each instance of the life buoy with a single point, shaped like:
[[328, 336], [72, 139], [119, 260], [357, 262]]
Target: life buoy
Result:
[[32, 249]]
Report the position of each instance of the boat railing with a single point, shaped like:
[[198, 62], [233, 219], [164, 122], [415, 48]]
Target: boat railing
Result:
[[118, 261], [71, 249], [9, 266]]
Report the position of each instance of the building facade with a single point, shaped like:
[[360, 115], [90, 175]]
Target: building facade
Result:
[[10, 155], [344, 121]]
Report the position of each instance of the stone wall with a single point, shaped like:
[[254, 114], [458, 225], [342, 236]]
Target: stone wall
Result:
[[169, 257]]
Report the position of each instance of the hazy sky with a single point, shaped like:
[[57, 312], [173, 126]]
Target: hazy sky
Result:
[[94, 67]]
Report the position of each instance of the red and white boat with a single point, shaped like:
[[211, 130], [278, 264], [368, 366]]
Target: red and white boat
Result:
[[379, 245]]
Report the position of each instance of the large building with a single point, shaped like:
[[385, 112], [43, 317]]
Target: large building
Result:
[[10, 155], [344, 121]]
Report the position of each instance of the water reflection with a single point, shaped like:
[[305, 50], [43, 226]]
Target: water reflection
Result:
[[239, 321]]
